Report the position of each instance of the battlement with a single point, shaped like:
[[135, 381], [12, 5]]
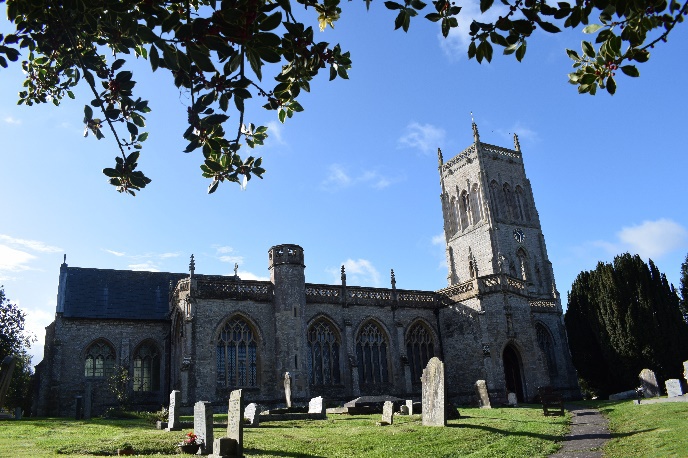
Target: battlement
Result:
[[469, 154]]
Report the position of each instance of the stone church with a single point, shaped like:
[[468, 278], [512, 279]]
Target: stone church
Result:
[[499, 319]]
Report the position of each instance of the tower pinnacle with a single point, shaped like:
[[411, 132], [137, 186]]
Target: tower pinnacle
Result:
[[517, 145]]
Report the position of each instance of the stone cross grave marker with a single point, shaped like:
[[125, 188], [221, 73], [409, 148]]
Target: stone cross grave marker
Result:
[[387, 413], [317, 406], [252, 415], [433, 393], [512, 399], [173, 411], [673, 387], [6, 371], [287, 388], [483, 395], [409, 406], [649, 383], [203, 425], [235, 420]]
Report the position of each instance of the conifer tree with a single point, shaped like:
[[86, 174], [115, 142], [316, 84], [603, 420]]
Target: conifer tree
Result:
[[623, 317]]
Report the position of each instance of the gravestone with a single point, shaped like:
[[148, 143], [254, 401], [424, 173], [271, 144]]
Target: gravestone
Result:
[[18, 412], [203, 425], [409, 406], [685, 370], [649, 383], [483, 395], [433, 393], [317, 406], [235, 421], [673, 388], [251, 415], [387, 413], [512, 400], [6, 371], [173, 412], [403, 410], [287, 388], [224, 447]]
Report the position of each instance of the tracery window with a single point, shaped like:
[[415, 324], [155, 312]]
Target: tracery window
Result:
[[465, 210], [496, 198], [453, 218], [371, 352], [476, 215], [323, 354], [420, 347], [523, 264], [509, 201], [546, 344], [147, 368], [100, 360], [522, 203], [237, 355]]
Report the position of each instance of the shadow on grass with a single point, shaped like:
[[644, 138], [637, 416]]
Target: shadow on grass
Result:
[[631, 433], [259, 451], [505, 432]]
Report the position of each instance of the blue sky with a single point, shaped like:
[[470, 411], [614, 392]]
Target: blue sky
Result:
[[353, 179]]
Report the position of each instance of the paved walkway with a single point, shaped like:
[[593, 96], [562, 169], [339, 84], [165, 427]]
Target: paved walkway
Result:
[[589, 432]]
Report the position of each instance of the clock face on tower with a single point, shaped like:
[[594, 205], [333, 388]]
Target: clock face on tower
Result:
[[519, 236]]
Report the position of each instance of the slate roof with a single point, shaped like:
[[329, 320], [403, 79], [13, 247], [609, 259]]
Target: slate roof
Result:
[[117, 294]]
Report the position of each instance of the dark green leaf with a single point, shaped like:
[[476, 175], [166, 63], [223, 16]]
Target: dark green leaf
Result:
[[630, 70], [485, 5]]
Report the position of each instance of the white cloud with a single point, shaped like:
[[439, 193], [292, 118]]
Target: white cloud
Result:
[[34, 245], [222, 253], [11, 120], [14, 260], [339, 178], [438, 239], [359, 272], [654, 239], [223, 249], [456, 43], [424, 137], [168, 255], [250, 276], [525, 135], [275, 131], [235, 259], [116, 253], [147, 266]]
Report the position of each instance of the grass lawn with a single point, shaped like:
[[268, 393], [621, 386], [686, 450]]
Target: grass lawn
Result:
[[637, 431]]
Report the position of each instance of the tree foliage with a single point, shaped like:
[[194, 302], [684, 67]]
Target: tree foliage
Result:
[[15, 341], [218, 52], [623, 317], [684, 289]]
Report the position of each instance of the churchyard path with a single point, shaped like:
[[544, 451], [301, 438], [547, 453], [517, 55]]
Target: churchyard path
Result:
[[589, 433]]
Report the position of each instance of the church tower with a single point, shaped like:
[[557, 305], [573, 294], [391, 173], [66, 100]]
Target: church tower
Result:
[[499, 272]]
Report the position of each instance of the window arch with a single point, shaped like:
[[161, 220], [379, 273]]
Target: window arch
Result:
[[465, 209], [476, 214], [371, 353], [420, 347], [323, 353], [453, 218], [522, 203], [495, 197], [100, 359], [523, 264], [546, 344], [509, 201], [147, 368], [237, 354]]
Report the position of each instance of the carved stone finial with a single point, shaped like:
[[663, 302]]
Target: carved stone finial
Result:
[[394, 280], [476, 135], [517, 145], [440, 159], [192, 265], [343, 275], [64, 260], [236, 269]]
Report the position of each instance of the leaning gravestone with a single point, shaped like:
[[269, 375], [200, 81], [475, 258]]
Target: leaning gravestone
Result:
[[235, 421], [316, 406], [649, 383], [203, 425], [387, 413], [483, 395], [433, 393], [673, 388], [173, 412], [251, 414], [6, 371]]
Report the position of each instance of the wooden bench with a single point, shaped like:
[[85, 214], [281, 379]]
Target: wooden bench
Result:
[[552, 403]]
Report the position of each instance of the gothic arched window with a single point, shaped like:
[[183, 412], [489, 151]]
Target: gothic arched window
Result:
[[453, 218], [237, 354], [522, 264], [509, 201], [371, 352], [522, 203], [476, 215], [100, 360], [323, 354], [420, 347], [147, 368], [465, 209], [546, 344], [495, 197]]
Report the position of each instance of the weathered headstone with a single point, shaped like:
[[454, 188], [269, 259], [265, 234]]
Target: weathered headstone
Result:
[[251, 415], [287, 388], [203, 425], [512, 399], [649, 383], [673, 387], [6, 371], [225, 447], [235, 421], [18, 412], [409, 406], [685, 370], [387, 413], [316, 406], [623, 395], [433, 393], [173, 411], [483, 395], [404, 410]]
